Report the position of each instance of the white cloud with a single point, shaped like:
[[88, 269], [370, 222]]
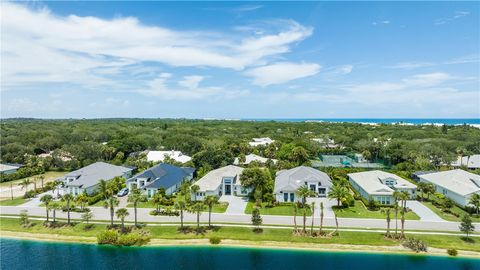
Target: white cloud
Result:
[[281, 72], [457, 15], [41, 47], [346, 69], [191, 82], [189, 90], [411, 65], [384, 22], [429, 79]]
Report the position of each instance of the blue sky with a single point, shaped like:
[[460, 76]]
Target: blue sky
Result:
[[240, 59]]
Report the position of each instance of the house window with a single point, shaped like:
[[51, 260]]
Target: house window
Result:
[[292, 197], [285, 197], [312, 187]]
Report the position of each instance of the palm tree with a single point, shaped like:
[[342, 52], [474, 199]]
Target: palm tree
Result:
[[157, 199], [185, 190], [82, 200], [42, 178], [181, 205], [475, 201], [210, 201], [313, 215], [295, 208], [387, 213], [304, 192], [339, 193], [46, 199], [122, 213], [321, 218], [195, 189], [68, 198], [24, 184], [135, 197], [403, 197], [111, 203], [396, 197], [103, 188], [197, 208], [54, 206]]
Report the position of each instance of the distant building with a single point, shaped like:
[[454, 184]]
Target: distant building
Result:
[[416, 175], [288, 181], [327, 143], [261, 141], [471, 162], [87, 178], [8, 168], [458, 185], [223, 181], [251, 158], [380, 186], [160, 156], [164, 176]]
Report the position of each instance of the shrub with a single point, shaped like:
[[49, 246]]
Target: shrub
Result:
[[108, 237], [415, 245], [215, 240], [129, 239], [94, 199], [452, 252]]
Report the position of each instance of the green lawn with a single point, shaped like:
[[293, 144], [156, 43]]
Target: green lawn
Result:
[[281, 210], [360, 211], [217, 208], [14, 202], [239, 233], [448, 216]]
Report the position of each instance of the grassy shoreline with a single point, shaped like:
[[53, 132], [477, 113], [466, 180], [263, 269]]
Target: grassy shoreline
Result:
[[158, 242], [279, 236]]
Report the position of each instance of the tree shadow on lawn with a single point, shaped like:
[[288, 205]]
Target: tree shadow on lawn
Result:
[[469, 240]]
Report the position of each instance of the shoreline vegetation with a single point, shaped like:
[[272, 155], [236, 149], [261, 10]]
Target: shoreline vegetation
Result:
[[240, 236], [204, 242]]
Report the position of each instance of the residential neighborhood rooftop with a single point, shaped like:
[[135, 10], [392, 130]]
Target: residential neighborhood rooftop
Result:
[[7, 167], [374, 182], [91, 174], [471, 162], [161, 155], [213, 179], [458, 181], [294, 178], [163, 175], [251, 158]]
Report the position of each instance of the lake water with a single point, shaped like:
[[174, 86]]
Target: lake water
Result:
[[17, 254]]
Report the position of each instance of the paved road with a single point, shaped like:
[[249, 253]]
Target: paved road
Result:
[[423, 212], [143, 216]]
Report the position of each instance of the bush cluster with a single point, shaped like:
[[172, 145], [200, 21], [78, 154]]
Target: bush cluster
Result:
[[415, 245], [215, 240], [165, 212], [113, 237], [452, 252]]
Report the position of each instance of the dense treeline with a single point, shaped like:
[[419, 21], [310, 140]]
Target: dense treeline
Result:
[[214, 143]]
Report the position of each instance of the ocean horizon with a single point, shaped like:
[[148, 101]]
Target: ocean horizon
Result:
[[413, 121]]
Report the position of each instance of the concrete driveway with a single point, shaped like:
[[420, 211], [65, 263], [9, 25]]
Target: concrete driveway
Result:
[[236, 205], [423, 212], [327, 206]]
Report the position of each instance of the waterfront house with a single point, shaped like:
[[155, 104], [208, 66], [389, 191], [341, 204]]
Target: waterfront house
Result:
[[458, 185], [166, 176], [470, 162], [253, 158], [380, 186], [288, 181], [260, 141], [160, 156], [8, 168], [87, 178], [223, 181]]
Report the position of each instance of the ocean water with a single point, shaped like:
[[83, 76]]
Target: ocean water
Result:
[[19, 254], [415, 121]]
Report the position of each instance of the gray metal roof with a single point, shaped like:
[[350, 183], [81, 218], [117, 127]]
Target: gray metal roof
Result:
[[291, 180], [163, 175], [91, 175]]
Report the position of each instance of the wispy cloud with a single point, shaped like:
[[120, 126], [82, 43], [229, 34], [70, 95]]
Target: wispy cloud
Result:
[[40, 47], [282, 72], [419, 64], [384, 22], [457, 15]]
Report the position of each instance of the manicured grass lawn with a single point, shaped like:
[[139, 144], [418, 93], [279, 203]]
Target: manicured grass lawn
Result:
[[360, 211], [49, 176], [217, 208], [239, 233], [281, 210], [448, 216], [14, 202]]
